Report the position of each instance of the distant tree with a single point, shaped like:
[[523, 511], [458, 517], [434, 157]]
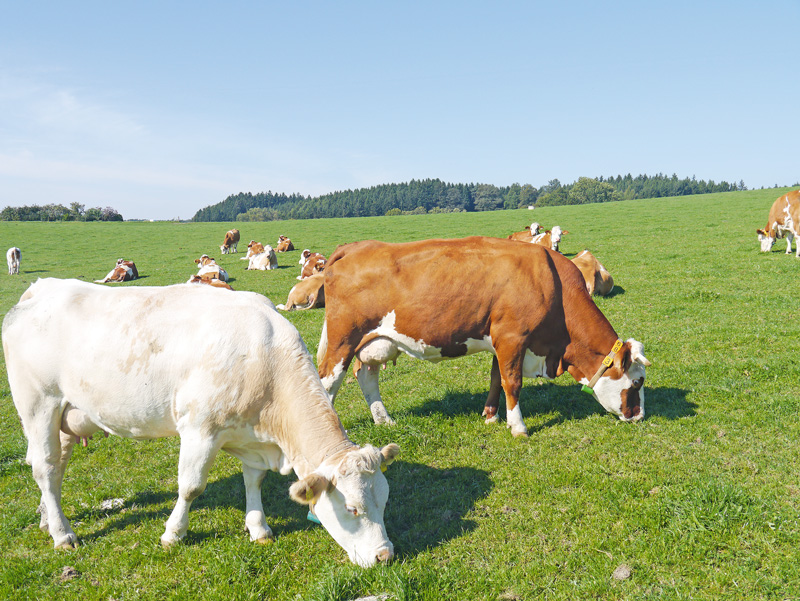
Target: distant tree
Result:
[[76, 211], [487, 198], [394, 211], [93, 214], [110, 214], [587, 190]]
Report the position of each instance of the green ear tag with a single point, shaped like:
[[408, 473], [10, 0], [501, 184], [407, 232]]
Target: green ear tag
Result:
[[383, 467], [587, 390]]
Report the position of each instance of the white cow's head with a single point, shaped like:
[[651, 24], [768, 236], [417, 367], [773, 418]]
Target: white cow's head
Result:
[[555, 237], [767, 240], [621, 388], [349, 498]]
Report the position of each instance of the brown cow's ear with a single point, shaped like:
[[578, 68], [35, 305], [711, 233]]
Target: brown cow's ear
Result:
[[308, 490]]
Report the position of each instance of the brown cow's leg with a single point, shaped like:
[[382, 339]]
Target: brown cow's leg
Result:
[[493, 400], [509, 359]]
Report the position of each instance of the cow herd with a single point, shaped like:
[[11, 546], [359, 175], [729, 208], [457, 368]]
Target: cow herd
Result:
[[241, 379]]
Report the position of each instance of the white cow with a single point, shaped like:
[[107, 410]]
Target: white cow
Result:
[[13, 256], [245, 385]]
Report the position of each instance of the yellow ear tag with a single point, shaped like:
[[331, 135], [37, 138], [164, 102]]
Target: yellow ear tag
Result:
[[309, 494], [383, 467]]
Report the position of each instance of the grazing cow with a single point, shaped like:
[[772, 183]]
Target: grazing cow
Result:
[[315, 263], [266, 260], [208, 267], [231, 241], [123, 271], [784, 220], [284, 244], [549, 238], [13, 256], [439, 299], [254, 248], [211, 281], [527, 234], [598, 281], [246, 385], [307, 294]]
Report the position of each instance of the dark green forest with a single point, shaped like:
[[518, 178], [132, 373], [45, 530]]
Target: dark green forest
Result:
[[436, 196]]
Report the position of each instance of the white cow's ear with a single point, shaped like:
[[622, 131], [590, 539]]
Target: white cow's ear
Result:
[[308, 490], [388, 454]]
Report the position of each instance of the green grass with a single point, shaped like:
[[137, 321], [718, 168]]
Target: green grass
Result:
[[700, 499]]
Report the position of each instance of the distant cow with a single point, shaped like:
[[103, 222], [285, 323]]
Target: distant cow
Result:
[[211, 281], [254, 248], [304, 256], [231, 241], [598, 280], [208, 267], [265, 260], [307, 294], [13, 257], [123, 271], [527, 234], [239, 379], [550, 238], [284, 244], [314, 263], [783, 221], [440, 299]]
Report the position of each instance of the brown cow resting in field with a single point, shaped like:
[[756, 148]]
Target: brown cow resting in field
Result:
[[598, 280]]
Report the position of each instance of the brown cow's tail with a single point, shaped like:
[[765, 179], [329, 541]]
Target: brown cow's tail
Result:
[[323, 342]]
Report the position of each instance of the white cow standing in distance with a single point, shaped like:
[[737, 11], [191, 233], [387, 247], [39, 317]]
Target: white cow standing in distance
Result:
[[240, 380], [13, 257]]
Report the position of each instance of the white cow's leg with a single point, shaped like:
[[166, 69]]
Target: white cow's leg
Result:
[[254, 517], [368, 380], [789, 238], [196, 456], [48, 453]]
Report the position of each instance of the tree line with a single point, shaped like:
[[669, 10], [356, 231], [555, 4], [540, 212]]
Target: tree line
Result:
[[436, 196], [56, 212]]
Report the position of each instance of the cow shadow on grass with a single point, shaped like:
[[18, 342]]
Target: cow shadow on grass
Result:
[[427, 506], [566, 402]]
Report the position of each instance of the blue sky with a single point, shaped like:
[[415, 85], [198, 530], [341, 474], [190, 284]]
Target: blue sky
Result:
[[161, 108]]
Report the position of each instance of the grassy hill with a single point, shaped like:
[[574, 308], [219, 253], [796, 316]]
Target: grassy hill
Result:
[[700, 500]]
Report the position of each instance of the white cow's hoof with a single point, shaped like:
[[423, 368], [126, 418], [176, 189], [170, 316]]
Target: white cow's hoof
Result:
[[492, 420], [169, 541], [68, 543]]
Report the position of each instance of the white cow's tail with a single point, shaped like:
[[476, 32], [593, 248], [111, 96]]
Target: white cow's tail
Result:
[[323, 342]]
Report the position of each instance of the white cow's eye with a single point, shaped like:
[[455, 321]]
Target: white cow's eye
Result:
[[352, 510]]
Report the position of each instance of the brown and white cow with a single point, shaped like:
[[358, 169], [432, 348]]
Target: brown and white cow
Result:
[[210, 280], [439, 299], [306, 294], [254, 248], [598, 280], [550, 238], [231, 242], [284, 244], [208, 267], [13, 257], [783, 221], [265, 260], [245, 385], [123, 271], [527, 234], [314, 263]]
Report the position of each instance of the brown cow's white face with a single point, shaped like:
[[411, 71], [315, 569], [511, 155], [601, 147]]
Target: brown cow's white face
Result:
[[624, 396], [766, 241]]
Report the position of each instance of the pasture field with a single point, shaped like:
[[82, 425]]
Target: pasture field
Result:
[[700, 500]]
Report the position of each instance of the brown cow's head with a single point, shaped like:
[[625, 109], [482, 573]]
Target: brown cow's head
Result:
[[621, 388], [767, 238]]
